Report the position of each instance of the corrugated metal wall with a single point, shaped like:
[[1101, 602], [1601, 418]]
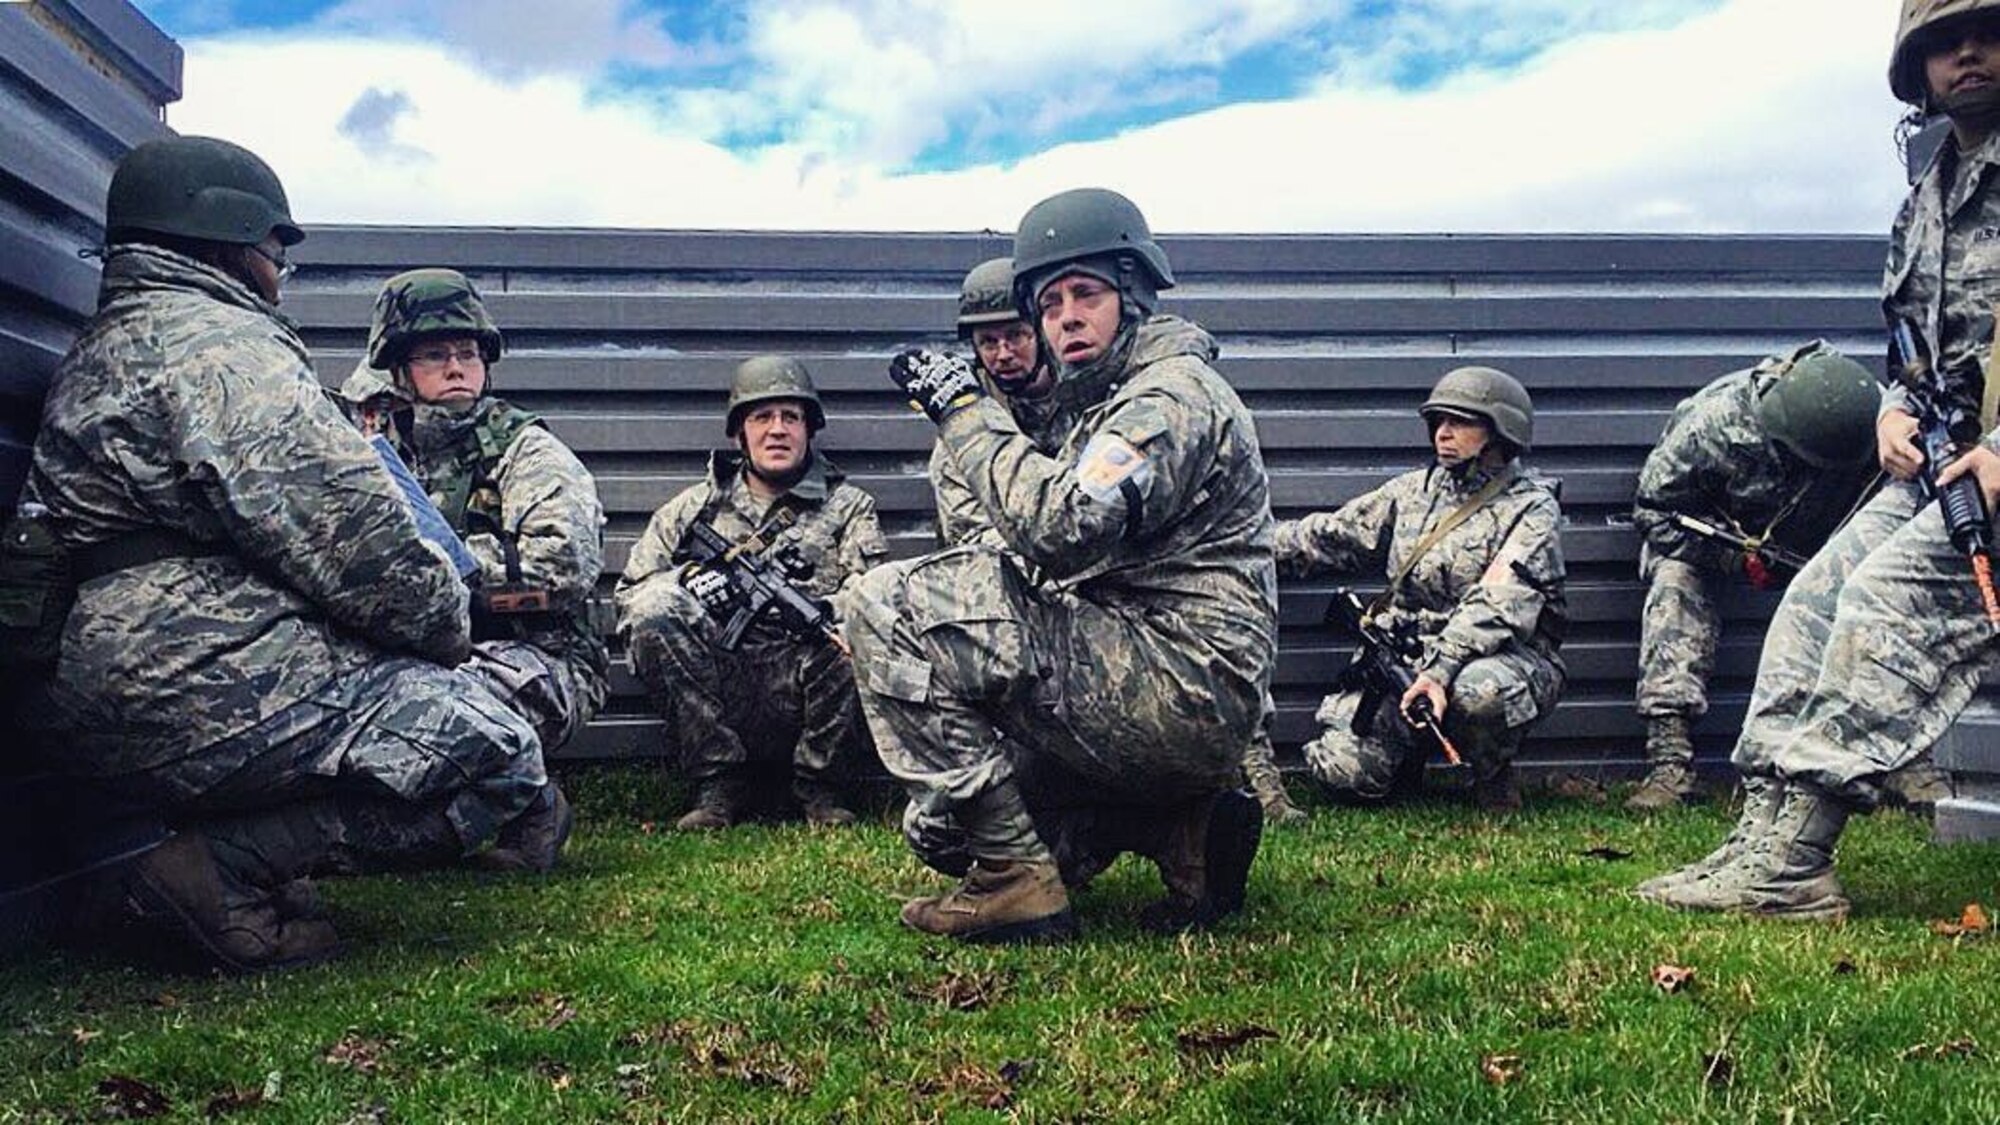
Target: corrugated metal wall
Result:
[[81, 82], [625, 341]]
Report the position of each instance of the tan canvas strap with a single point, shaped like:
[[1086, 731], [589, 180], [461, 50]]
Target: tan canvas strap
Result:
[[1444, 527], [1989, 391]]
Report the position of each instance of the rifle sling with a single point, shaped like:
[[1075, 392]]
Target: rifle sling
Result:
[[137, 548], [1444, 527]]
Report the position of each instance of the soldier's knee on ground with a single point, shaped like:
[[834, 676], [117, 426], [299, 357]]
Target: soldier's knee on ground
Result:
[[1352, 770]]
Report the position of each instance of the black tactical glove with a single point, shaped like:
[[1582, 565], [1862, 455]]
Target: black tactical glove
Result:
[[713, 589], [937, 384]]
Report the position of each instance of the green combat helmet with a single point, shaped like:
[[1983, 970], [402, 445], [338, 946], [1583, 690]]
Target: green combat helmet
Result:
[[987, 296], [1098, 229], [1821, 407], [1488, 393], [762, 378], [198, 188], [1920, 25], [427, 304]]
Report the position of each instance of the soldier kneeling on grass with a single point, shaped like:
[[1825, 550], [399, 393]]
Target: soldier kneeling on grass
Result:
[[775, 696]]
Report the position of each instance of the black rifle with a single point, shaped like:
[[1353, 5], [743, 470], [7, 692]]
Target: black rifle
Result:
[[765, 585], [1380, 670], [1771, 553], [1963, 504]]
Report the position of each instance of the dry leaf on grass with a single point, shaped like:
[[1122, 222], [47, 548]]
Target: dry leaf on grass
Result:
[[963, 991], [1972, 920], [1500, 1069], [126, 1098], [357, 1053], [1220, 1041], [1672, 978], [1949, 1049], [229, 1101]]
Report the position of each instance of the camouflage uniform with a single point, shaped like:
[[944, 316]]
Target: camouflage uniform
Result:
[[1121, 645], [491, 467], [1714, 461], [1486, 600], [1881, 642], [778, 698], [231, 685]]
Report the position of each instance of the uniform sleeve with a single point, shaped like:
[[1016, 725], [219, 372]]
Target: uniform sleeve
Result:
[[960, 518], [1350, 539], [1507, 603], [652, 557], [1139, 468], [304, 497], [862, 544], [1686, 472], [547, 494]]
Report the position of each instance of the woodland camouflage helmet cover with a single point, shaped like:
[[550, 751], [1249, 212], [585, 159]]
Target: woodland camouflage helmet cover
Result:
[[1919, 26], [762, 378], [200, 188], [1821, 407], [1088, 224], [1489, 393], [987, 296], [428, 304]]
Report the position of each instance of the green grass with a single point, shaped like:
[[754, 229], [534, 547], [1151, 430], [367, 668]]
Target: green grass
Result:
[[760, 975]]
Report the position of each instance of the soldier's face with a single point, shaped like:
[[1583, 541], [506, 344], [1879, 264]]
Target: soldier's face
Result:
[[775, 437], [1962, 64], [1079, 317], [1457, 440], [447, 371], [1008, 353]]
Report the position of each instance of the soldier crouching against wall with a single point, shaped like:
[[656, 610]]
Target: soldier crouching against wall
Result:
[[522, 503], [779, 697], [1010, 365], [1473, 550], [236, 540], [1751, 475], [1131, 653]]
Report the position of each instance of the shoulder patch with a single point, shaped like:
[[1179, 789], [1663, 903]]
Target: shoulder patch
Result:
[[1108, 464]]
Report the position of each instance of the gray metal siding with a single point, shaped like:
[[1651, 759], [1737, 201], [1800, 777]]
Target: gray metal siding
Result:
[[624, 340], [81, 83]]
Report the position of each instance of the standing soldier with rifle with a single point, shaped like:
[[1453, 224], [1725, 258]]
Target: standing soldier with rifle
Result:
[[1751, 475], [1881, 641], [1473, 551], [521, 502], [745, 676]]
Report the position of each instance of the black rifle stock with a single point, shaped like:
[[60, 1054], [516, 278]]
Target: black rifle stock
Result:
[[1380, 672], [766, 588], [1771, 553], [1966, 519]]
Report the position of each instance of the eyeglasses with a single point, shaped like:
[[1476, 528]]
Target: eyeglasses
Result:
[[438, 357], [284, 265]]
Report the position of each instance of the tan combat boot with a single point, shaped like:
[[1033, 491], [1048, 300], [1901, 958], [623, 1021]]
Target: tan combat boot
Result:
[[1000, 901], [1785, 872], [234, 925], [1671, 781], [1205, 862], [719, 805], [821, 804], [1760, 801], [534, 840]]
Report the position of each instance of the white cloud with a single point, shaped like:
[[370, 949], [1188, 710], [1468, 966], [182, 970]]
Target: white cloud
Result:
[[1746, 119]]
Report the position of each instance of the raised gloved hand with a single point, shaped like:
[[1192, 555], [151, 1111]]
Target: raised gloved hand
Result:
[[937, 383], [713, 589]]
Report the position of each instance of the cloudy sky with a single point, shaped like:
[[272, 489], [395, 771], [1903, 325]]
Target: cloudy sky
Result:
[[1718, 116]]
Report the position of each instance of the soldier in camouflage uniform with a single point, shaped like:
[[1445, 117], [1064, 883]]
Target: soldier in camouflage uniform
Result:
[[1881, 641], [1125, 637], [261, 647], [1473, 550], [779, 698], [512, 491], [1777, 454], [1010, 368]]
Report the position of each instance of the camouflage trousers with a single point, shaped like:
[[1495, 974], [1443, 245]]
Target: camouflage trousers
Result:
[[775, 700], [1679, 629], [975, 683], [386, 758], [1490, 706], [557, 685], [1876, 648]]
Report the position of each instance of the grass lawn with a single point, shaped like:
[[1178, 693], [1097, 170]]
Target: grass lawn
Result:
[[1419, 964]]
